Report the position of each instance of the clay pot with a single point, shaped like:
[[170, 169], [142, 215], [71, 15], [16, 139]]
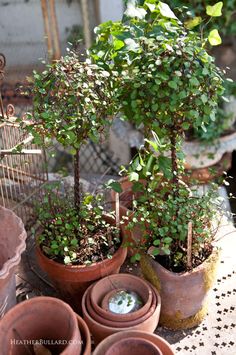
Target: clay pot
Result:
[[85, 336], [210, 173], [162, 345], [116, 323], [46, 318], [198, 155], [100, 293], [133, 346], [100, 329], [183, 295], [12, 245], [73, 280]]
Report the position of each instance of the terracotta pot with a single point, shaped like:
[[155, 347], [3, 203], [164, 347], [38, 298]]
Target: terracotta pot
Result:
[[46, 318], [116, 323], [199, 155], [107, 343], [183, 295], [101, 331], [73, 280], [207, 174], [12, 245], [85, 336], [101, 290], [133, 346]]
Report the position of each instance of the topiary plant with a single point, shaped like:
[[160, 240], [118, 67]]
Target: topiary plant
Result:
[[169, 81], [72, 101]]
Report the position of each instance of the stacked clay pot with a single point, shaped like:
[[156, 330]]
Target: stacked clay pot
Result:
[[44, 324], [133, 342], [102, 322]]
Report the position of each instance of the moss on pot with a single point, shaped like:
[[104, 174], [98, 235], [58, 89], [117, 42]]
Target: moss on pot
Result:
[[178, 322], [148, 272], [211, 269]]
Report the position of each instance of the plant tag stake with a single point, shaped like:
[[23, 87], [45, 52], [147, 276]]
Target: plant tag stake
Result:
[[117, 210], [189, 245]]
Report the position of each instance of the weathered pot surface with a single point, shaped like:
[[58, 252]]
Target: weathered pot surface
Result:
[[161, 344], [100, 331], [184, 295], [103, 287], [12, 245], [85, 336], [46, 318], [198, 155], [133, 346], [73, 280]]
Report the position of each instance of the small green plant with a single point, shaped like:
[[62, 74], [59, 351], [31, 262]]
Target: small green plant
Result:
[[68, 239]]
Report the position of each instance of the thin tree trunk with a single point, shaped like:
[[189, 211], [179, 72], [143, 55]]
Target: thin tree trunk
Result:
[[76, 180], [174, 159]]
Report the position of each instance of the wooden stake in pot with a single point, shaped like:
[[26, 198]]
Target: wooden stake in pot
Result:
[[189, 245], [117, 210]]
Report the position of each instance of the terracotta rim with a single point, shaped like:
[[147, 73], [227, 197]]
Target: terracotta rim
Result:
[[109, 315], [126, 343], [86, 338], [49, 300], [160, 342], [214, 253], [87, 316], [14, 261], [114, 323]]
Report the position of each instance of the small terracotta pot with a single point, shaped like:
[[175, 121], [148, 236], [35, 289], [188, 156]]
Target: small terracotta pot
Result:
[[44, 318], [73, 280], [85, 336], [107, 343], [133, 346], [12, 245], [116, 323], [103, 287], [183, 295], [101, 331]]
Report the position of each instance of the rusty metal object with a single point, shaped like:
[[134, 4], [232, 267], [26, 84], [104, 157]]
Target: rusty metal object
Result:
[[22, 164]]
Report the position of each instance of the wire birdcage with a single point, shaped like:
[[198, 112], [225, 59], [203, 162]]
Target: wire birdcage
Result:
[[22, 164]]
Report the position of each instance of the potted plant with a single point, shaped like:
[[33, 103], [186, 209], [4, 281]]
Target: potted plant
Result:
[[170, 84], [127, 50], [72, 102]]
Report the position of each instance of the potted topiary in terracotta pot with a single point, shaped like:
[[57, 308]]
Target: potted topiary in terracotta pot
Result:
[[12, 245], [169, 84], [78, 243]]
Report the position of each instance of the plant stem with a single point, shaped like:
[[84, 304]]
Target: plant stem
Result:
[[76, 181], [174, 160]]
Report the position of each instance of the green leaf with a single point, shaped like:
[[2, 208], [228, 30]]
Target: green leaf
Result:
[[151, 7], [172, 84], [116, 186], [215, 10], [133, 11], [134, 176], [185, 125], [131, 45], [118, 44], [165, 10], [74, 242], [214, 38], [189, 24]]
